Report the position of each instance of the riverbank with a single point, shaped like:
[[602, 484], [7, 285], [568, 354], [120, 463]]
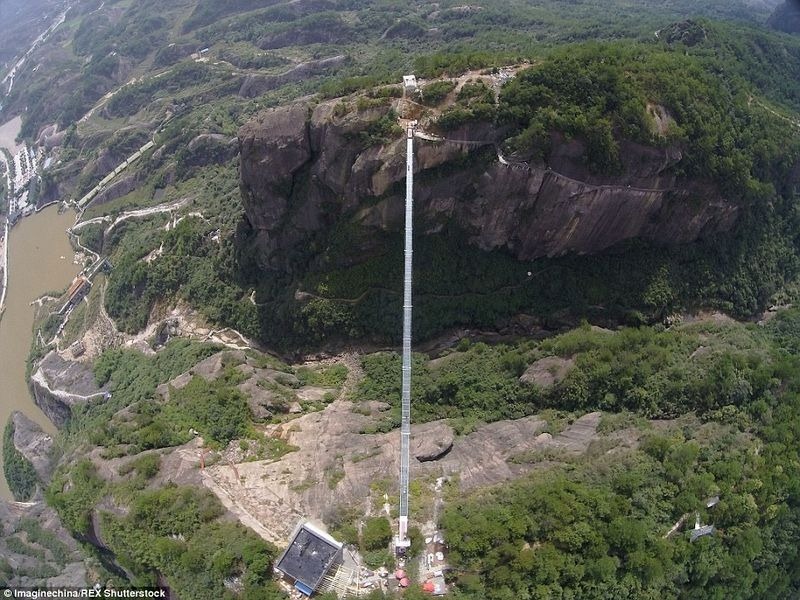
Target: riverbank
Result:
[[40, 259], [4, 267], [21, 165], [8, 135]]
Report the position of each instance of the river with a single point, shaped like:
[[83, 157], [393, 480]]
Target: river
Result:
[[8, 134], [40, 260]]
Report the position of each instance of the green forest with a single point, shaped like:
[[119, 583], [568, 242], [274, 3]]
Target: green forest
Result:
[[600, 532], [168, 530], [172, 531], [713, 408], [700, 409]]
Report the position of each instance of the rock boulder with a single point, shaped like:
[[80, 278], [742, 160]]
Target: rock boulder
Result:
[[432, 442], [548, 371], [16, 521]]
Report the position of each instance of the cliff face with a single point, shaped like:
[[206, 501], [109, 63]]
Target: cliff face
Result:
[[786, 17], [57, 385], [303, 169], [34, 444]]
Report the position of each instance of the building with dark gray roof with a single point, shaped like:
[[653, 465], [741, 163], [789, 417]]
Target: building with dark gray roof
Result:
[[699, 532], [311, 554]]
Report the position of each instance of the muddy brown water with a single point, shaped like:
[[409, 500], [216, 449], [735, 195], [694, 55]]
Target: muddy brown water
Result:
[[8, 134], [40, 260]]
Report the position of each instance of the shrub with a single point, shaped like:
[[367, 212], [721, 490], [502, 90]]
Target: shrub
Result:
[[377, 534], [434, 93]]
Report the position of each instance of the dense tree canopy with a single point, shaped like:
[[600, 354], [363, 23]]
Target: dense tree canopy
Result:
[[597, 528]]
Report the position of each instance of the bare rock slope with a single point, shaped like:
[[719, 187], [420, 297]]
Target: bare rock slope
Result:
[[59, 384], [34, 444], [336, 466]]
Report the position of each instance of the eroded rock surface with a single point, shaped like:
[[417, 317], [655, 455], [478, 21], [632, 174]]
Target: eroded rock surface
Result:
[[433, 443], [337, 465], [257, 85], [58, 384], [305, 167], [268, 391], [34, 444]]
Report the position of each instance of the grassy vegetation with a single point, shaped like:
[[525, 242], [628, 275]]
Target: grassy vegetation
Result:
[[15, 544], [73, 492], [433, 93], [480, 384], [132, 378], [175, 532], [197, 262], [599, 92], [36, 534], [474, 102], [216, 409], [85, 314], [328, 376], [192, 266]]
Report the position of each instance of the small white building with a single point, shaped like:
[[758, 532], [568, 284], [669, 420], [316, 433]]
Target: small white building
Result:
[[409, 84]]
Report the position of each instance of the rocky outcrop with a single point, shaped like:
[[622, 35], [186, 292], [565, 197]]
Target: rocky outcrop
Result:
[[35, 445], [268, 391], [332, 454], [269, 158], [537, 212], [303, 168], [689, 33], [58, 385], [333, 31], [120, 187], [433, 443], [169, 55], [52, 557], [50, 136], [548, 371], [210, 148]]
